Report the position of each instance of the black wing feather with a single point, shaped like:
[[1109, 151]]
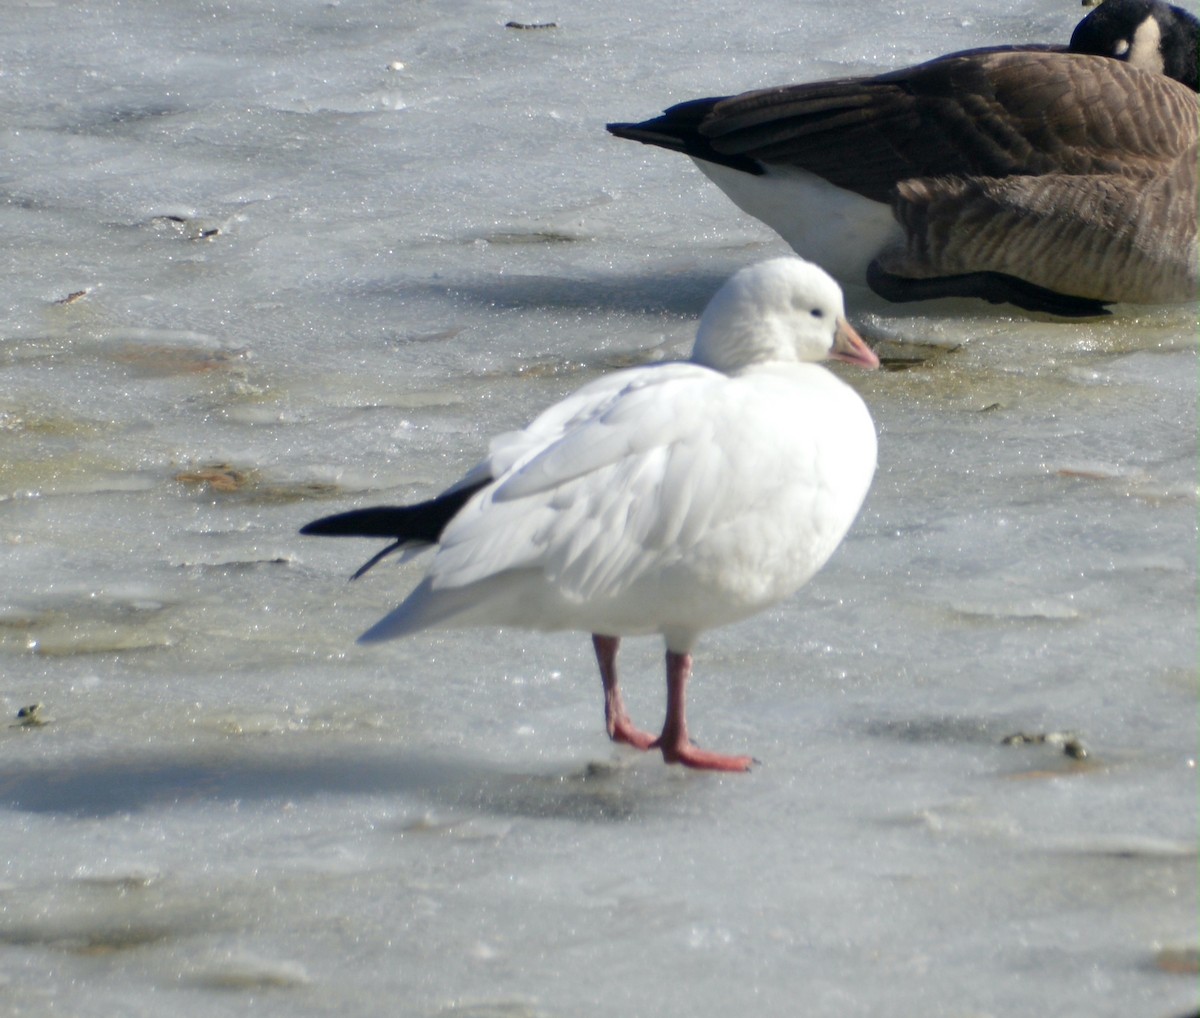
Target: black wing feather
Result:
[[418, 524]]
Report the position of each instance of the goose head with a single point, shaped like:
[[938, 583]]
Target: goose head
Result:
[[785, 310], [1150, 34]]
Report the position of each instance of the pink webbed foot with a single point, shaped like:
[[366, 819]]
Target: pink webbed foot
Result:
[[674, 742], [621, 729], [616, 718], [706, 760]]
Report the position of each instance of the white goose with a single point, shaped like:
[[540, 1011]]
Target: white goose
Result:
[[1055, 181], [663, 499]]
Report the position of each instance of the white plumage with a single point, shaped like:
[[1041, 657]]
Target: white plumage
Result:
[[665, 499]]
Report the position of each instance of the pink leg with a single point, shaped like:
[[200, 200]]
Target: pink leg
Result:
[[620, 728], [674, 742]]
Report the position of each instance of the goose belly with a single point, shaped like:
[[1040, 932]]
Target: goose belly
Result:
[[839, 230]]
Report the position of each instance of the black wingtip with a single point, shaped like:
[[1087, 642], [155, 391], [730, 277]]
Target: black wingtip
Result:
[[375, 559], [680, 129], [409, 524], [659, 132], [619, 129], [379, 521]]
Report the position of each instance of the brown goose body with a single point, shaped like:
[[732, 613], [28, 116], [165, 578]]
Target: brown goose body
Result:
[[1056, 181]]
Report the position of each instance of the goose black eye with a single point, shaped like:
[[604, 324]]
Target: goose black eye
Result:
[[817, 313]]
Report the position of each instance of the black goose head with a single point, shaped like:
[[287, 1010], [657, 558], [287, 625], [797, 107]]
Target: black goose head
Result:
[[1150, 34]]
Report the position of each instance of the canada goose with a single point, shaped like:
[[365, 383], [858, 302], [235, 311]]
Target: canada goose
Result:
[[1056, 181]]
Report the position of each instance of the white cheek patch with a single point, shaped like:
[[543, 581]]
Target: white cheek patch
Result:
[[1120, 48], [1146, 50]]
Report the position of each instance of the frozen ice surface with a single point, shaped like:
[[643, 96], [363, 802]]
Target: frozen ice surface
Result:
[[265, 261]]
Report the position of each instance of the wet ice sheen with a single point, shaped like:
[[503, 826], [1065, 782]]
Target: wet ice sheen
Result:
[[232, 805]]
